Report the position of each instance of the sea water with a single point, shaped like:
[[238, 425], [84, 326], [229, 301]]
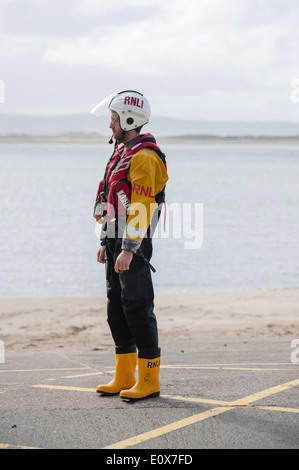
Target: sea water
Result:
[[248, 193]]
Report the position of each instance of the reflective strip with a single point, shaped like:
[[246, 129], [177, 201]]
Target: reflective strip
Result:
[[135, 232]]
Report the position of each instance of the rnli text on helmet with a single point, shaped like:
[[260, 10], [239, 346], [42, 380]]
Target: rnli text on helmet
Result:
[[133, 101]]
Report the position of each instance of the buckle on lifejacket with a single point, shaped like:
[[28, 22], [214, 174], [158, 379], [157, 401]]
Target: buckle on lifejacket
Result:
[[99, 207]]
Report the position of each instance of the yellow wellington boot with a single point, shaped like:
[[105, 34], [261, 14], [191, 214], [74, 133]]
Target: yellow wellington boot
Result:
[[147, 384], [124, 376]]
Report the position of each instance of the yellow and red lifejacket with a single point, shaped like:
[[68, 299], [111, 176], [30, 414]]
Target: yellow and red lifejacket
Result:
[[115, 190]]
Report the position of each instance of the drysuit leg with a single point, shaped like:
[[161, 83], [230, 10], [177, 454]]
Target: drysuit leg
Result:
[[131, 302]]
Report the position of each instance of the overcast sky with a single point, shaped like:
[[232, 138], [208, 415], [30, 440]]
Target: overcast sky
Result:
[[205, 59]]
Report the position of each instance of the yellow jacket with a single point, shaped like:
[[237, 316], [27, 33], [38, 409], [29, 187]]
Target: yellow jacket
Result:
[[148, 176]]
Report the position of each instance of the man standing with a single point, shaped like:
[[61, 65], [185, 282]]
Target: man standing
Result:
[[133, 183]]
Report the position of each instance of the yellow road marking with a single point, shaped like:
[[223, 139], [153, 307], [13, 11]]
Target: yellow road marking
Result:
[[240, 402], [219, 368], [174, 426], [227, 403], [81, 389], [59, 387], [7, 446], [201, 416], [223, 406], [242, 366], [182, 423], [197, 400], [8, 390], [175, 366], [12, 386], [237, 364], [273, 408], [82, 375], [46, 370], [266, 393]]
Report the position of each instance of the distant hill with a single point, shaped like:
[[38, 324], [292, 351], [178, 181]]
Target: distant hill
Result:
[[35, 125]]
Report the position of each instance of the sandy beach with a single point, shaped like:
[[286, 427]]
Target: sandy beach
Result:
[[79, 323]]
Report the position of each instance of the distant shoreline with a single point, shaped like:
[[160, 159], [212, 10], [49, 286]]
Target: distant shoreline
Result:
[[89, 138]]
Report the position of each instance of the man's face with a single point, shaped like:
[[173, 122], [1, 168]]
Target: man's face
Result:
[[115, 127]]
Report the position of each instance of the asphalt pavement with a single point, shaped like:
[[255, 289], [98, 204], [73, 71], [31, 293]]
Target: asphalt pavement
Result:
[[221, 395]]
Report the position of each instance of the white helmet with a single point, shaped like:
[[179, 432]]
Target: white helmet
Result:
[[132, 108]]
